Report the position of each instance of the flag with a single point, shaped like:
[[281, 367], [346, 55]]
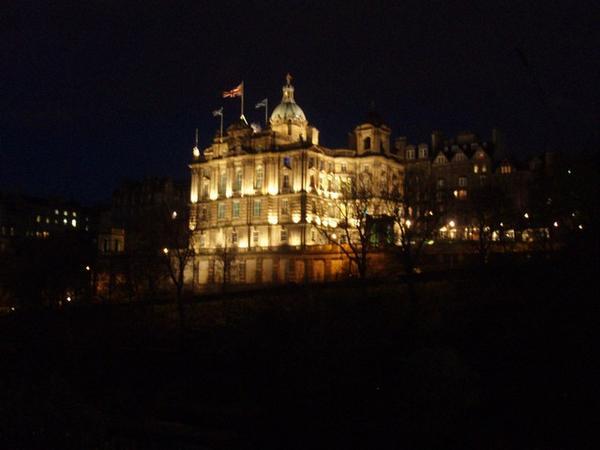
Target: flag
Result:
[[262, 103], [237, 91], [218, 112]]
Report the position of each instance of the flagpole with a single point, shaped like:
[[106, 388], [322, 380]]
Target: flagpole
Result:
[[221, 128], [242, 100], [266, 111]]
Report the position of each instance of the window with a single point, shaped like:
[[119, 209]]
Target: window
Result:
[[505, 169], [238, 180], [367, 143], [236, 210], [234, 237], [475, 168], [286, 181], [260, 175], [284, 234], [117, 246], [222, 182], [330, 167], [410, 153], [462, 181], [484, 168], [441, 159], [205, 190], [313, 183], [344, 168], [203, 213], [441, 183], [287, 161], [423, 152], [311, 163], [255, 237], [221, 211], [257, 207], [285, 207]]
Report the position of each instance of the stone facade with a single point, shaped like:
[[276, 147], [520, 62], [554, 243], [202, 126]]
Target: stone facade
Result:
[[263, 193]]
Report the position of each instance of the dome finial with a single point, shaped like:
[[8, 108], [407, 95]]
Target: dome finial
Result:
[[288, 78]]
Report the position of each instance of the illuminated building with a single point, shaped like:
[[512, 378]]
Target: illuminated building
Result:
[[261, 193]]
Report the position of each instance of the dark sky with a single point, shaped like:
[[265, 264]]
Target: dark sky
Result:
[[94, 92]]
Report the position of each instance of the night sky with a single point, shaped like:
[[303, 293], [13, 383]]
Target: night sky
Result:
[[95, 92]]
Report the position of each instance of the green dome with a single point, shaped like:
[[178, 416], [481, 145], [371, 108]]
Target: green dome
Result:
[[288, 109]]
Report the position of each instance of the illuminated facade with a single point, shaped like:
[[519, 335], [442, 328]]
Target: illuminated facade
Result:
[[261, 195]]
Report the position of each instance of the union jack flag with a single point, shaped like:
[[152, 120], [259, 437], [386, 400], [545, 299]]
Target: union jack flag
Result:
[[237, 91]]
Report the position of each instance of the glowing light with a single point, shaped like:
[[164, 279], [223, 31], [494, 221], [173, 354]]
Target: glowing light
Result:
[[430, 242], [580, 227], [174, 215], [443, 229], [333, 223], [272, 218], [166, 251], [196, 152], [333, 236], [555, 224], [317, 220], [68, 298], [569, 171], [501, 224], [87, 268], [73, 222], [295, 217], [272, 190], [526, 215], [408, 223], [452, 224]]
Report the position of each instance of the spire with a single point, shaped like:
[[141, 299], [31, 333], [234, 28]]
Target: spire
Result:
[[288, 90]]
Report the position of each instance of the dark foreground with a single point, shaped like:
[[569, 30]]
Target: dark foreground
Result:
[[500, 359]]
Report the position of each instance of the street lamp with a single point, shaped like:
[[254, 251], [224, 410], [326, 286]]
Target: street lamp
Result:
[[166, 251]]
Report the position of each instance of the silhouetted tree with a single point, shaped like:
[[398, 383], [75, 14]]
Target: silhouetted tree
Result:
[[417, 208], [349, 227]]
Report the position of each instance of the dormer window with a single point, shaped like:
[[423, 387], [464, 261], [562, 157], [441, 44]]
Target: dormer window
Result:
[[423, 152], [410, 153]]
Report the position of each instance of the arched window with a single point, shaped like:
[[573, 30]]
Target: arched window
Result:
[[367, 143]]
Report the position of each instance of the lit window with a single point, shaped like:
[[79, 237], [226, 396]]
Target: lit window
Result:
[[73, 223], [423, 152], [38, 219], [260, 174], [255, 236], [234, 237], [475, 168], [56, 211], [65, 213], [236, 210], [284, 234], [285, 207], [238, 180], [222, 182], [344, 168], [221, 211], [484, 168], [257, 208]]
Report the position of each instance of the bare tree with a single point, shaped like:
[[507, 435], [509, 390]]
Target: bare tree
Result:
[[178, 252], [349, 228], [225, 257], [486, 207], [416, 207]]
